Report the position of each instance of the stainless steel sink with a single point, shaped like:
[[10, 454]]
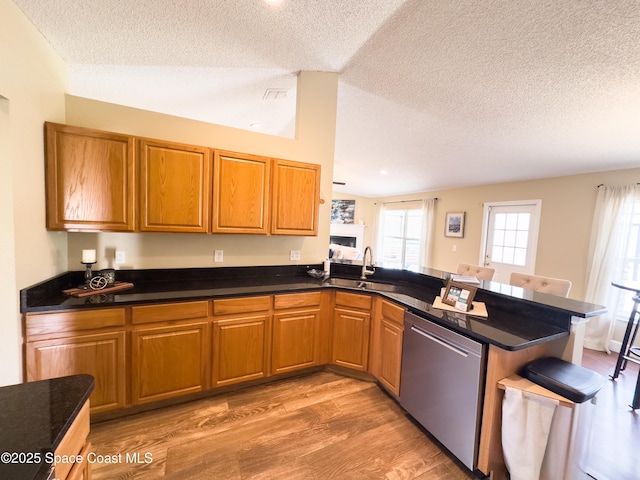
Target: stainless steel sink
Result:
[[362, 285]]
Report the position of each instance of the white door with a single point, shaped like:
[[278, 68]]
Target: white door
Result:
[[510, 234]]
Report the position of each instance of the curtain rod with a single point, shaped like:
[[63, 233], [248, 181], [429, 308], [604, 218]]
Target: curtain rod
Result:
[[602, 184], [405, 201]]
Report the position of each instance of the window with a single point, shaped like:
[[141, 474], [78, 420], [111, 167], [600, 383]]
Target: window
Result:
[[401, 232], [630, 248], [615, 256], [510, 238]]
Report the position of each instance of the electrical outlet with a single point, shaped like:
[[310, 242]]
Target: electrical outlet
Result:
[[121, 257], [295, 255], [218, 256]]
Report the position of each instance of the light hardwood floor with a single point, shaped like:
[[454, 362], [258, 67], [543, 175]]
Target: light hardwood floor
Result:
[[325, 426], [319, 426], [615, 433]]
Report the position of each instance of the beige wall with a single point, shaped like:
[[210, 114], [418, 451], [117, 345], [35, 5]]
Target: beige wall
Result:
[[565, 224], [314, 143], [33, 80]]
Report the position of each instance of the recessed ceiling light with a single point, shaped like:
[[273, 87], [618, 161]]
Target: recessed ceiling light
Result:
[[383, 172], [256, 125], [273, 2]]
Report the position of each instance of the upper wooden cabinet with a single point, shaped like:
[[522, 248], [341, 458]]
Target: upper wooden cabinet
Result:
[[240, 193], [103, 181], [295, 198], [89, 179], [175, 186]]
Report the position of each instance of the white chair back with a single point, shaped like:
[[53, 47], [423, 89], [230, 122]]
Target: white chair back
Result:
[[552, 286], [481, 273]]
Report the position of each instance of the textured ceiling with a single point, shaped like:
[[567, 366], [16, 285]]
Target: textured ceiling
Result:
[[440, 93]]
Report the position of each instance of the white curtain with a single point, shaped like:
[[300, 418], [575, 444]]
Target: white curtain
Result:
[[609, 237], [428, 220], [378, 232]]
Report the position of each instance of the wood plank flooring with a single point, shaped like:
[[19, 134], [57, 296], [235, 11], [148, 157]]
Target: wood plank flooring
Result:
[[616, 427], [319, 426], [326, 426]]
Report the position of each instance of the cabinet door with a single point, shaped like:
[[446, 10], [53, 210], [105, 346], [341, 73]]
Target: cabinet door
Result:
[[240, 349], [101, 355], [175, 186], [240, 193], [295, 198], [390, 355], [351, 338], [168, 361], [295, 340], [89, 179]]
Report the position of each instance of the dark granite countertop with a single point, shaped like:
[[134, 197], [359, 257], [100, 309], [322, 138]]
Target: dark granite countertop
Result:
[[34, 418], [517, 319]]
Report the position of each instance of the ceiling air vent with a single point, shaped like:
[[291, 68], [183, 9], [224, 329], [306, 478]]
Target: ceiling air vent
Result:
[[275, 94]]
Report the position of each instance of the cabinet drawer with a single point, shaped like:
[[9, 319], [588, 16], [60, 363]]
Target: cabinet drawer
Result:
[[295, 300], [169, 311], [58, 324], [353, 300], [393, 312], [241, 305]]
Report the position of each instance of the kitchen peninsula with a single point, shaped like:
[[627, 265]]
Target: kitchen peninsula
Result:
[[44, 422], [284, 321]]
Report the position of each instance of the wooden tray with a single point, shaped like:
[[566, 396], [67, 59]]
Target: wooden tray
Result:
[[84, 292], [479, 308]]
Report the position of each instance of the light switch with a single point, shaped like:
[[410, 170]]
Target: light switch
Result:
[[218, 256], [121, 257]]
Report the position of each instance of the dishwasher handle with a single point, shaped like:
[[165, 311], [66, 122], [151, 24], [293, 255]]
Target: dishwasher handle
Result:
[[440, 341]]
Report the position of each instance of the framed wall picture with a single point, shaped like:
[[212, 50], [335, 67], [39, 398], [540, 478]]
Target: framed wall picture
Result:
[[343, 211], [459, 296], [454, 225]]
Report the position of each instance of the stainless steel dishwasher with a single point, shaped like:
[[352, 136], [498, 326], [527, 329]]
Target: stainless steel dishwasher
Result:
[[442, 383]]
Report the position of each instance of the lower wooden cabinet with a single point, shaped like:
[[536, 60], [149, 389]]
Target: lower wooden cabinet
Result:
[[390, 355], [99, 354], [240, 349], [296, 332], [387, 345], [74, 444], [168, 361], [154, 352], [351, 328], [170, 350]]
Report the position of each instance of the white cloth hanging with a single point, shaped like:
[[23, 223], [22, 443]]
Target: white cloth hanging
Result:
[[526, 422]]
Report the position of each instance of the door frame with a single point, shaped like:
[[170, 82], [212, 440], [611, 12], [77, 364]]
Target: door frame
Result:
[[535, 227]]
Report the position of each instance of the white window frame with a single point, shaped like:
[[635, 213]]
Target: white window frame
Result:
[[534, 229], [403, 238]]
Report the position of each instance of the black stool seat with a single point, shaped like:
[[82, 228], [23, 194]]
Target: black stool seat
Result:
[[573, 382]]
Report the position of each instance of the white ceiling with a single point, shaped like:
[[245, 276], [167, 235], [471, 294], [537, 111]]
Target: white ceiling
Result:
[[439, 93]]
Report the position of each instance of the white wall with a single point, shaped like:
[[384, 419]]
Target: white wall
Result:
[[33, 80]]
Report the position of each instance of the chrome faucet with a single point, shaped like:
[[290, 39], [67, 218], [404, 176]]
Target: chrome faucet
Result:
[[365, 271]]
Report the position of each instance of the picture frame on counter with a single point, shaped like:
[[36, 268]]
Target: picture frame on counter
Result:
[[459, 295], [454, 224]]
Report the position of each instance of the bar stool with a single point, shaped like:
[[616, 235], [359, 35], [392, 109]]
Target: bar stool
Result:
[[629, 353], [537, 283], [481, 273]]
